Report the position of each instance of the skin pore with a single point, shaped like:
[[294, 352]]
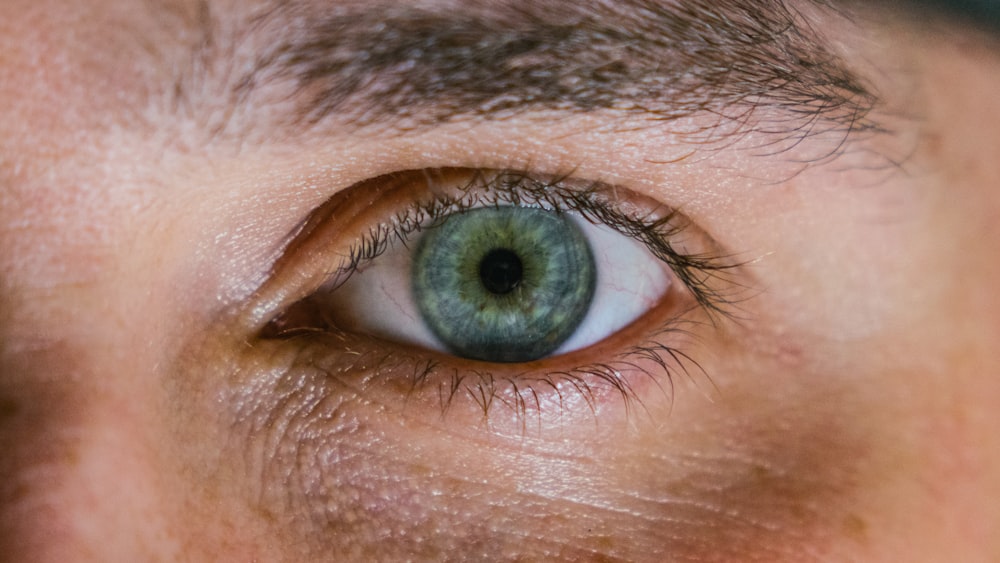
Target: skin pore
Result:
[[177, 178]]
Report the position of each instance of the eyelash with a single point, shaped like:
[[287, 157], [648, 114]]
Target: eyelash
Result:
[[704, 275], [695, 271]]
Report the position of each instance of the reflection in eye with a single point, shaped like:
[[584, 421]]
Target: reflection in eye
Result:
[[500, 267]]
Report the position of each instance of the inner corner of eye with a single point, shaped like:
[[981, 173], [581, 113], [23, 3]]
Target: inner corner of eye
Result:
[[502, 284]]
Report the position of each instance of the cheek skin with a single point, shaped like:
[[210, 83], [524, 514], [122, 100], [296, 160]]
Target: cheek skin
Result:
[[78, 461], [89, 310], [960, 148], [94, 464], [338, 466]]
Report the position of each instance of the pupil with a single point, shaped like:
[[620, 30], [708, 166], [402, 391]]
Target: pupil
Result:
[[501, 271]]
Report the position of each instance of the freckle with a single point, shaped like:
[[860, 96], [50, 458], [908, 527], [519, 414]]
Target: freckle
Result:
[[602, 557], [934, 142], [20, 491], [266, 515], [601, 547], [71, 458], [422, 471], [855, 527], [760, 473], [9, 408], [798, 511]]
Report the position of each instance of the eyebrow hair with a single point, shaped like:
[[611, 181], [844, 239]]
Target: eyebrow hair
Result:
[[413, 67]]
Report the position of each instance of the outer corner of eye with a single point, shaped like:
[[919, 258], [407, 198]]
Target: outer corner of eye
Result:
[[502, 284]]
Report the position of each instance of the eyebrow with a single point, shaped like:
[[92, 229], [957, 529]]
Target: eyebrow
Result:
[[415, 67]]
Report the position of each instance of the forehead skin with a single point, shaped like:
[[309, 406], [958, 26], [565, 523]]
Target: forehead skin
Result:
[[855, 417]]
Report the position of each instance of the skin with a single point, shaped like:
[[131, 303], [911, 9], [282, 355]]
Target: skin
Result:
[[849, 413]]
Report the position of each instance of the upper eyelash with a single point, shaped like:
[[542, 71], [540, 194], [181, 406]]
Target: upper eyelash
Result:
[[703, 274]]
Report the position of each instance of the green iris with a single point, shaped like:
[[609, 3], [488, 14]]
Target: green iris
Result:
[[504, 284]]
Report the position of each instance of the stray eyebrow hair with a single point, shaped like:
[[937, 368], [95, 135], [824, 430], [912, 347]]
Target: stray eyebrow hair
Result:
[[413, 67]]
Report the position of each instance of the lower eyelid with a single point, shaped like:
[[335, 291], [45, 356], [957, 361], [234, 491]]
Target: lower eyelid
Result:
[[635, 365]]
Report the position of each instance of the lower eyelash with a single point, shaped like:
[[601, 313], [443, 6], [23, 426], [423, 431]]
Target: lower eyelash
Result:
[[521, 393]]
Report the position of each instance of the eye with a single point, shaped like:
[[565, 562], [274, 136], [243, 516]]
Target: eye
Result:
[[502, 284], [577, 294], [497, 267]]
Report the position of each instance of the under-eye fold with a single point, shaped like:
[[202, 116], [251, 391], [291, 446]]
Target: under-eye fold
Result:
[[517, 278]]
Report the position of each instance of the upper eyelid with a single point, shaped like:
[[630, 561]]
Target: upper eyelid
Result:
[[708, 274]]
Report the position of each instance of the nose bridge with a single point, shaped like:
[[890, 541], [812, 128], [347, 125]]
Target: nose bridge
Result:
[[78, 481]]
